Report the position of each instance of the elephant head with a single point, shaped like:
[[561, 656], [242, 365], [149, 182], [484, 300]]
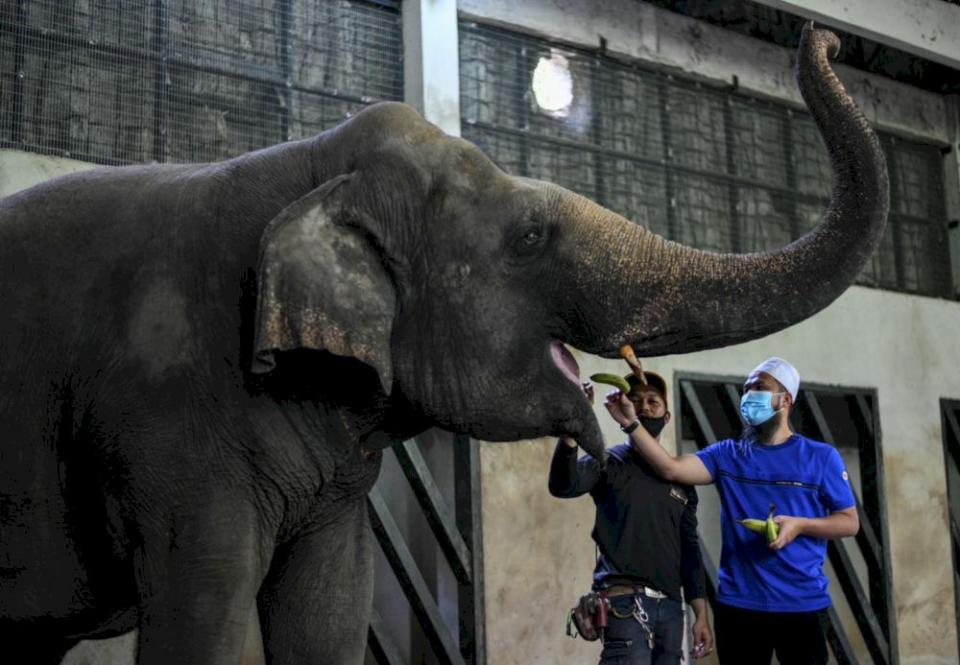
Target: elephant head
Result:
[[461, 284]]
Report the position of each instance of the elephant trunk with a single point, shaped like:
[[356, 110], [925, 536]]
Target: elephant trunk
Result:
[[665, 298]]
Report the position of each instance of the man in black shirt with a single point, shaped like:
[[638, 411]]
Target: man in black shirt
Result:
[[646, 535]]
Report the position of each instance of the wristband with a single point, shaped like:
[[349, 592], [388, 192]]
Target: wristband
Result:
[[629, 428]]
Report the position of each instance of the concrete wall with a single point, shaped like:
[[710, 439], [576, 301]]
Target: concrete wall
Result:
[[538, 555]]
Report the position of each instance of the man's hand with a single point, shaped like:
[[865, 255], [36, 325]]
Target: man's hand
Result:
[[621, 409], [790, 528], [702, 637]]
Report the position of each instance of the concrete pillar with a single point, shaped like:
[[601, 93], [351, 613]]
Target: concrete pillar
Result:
[[431, 61]]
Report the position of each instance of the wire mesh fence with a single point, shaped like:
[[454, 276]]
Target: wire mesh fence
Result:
[[188, 80], [708, 167]]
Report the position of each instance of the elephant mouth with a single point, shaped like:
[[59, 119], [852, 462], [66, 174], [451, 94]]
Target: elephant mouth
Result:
[[565, 361]]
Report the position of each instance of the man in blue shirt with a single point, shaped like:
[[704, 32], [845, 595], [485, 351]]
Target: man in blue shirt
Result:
[[771, 597]]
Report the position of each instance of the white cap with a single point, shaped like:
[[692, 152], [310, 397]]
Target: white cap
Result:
[[783, 372]]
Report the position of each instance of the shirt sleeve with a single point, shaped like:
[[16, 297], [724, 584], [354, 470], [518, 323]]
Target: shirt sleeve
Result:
[[710, 456], [691, 563], [570, 477], [835, 491]]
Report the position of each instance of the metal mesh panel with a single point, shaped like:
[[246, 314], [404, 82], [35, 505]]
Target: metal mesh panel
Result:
[[188, 80], [707, 167]]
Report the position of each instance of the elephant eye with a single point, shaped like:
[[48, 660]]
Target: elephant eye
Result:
[[528, 241], [531, 237]]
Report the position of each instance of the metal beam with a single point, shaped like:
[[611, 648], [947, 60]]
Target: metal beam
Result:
[[927, 28], [860, 605], [439, 516], [698, 413], [411, 581], [466, 465], [384, 649], [839, 642]]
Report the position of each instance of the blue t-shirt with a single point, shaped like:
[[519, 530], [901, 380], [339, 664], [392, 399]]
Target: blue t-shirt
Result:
[[802, 478]]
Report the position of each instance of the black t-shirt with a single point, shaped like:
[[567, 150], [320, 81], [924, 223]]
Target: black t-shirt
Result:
[[645, 527]]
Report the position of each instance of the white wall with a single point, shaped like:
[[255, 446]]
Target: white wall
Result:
[[20, 170]]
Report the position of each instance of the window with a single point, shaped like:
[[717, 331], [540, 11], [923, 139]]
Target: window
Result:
[[705, 166]]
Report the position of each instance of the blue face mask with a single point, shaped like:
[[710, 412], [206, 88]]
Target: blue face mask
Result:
[[756, 406]]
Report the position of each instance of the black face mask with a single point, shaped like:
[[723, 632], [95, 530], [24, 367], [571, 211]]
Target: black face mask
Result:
[[653, 425]]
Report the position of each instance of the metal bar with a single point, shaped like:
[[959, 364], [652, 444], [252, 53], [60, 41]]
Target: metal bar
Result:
[[818, 417], [733, 397], [733, 191], [466, 464], [286, 68], [951, 419], [596, 131], [666, 138], [895, 226], [860, 605], [698, 413], [951, 441], [838, 640], [411, 581], [19, 62], [441, 519], [869, 544], [161, 81], [786, 128], [384, 649]]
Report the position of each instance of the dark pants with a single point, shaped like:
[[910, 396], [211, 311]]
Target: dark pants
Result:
[[625, 642], [748, 637]]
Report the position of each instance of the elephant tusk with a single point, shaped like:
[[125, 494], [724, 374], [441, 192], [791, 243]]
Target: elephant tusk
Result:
[[626, 352]]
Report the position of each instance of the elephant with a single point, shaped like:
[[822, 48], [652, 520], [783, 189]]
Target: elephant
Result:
[[202, 364]]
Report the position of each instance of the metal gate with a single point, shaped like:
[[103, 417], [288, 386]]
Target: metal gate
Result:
[[846, 418], [456, 531], [950, 421]]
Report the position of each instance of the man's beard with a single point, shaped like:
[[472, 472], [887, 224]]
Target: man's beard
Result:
[[761, 434]]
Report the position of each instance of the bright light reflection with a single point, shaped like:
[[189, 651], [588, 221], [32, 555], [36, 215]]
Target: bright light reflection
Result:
[[553, 85]]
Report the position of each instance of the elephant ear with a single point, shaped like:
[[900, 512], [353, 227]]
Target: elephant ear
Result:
[[322, 286]]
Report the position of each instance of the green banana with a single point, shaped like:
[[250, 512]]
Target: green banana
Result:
[[754, 525], [771, 529], [614, 380]]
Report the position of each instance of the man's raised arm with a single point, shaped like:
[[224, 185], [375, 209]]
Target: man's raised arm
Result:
[[686, 469]]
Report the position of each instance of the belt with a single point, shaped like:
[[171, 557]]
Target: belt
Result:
[[631, 590]]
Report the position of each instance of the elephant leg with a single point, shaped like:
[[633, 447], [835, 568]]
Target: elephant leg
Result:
[[316, 601], [198, 590]]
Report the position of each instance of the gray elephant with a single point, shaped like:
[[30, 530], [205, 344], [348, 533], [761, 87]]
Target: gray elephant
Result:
[[201, 364]]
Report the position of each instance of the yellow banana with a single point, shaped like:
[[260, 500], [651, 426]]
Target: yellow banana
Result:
[[614, 380], [772, 530], [754, 525]]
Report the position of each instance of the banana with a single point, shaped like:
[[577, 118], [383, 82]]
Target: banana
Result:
[[614, 380], [754, 525], [771, 529]]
